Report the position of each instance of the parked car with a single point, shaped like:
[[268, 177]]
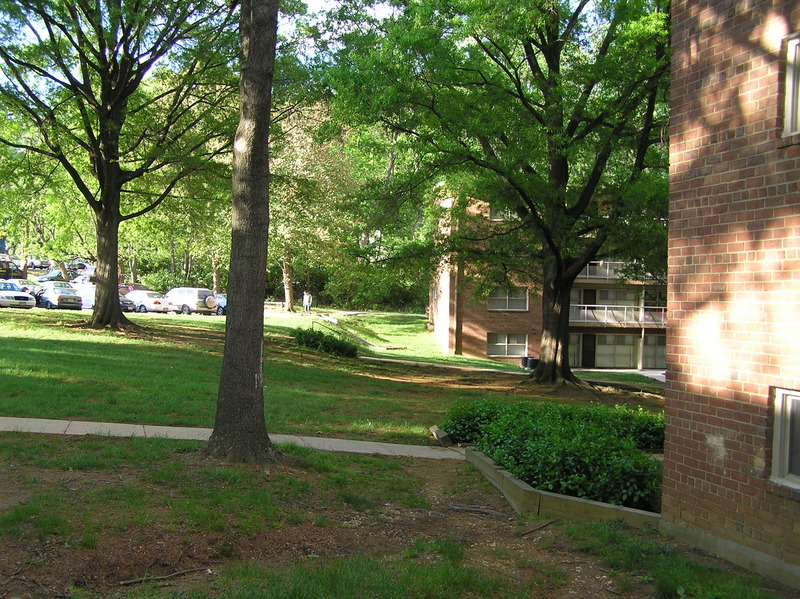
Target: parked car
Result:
[[125, 288], [222, 303], [146, 300], [9, 270], [25, 284], [126, 304], [55, 274], [37, 263], [88, 292], [11, 296], [58, 294], [187, 300], [83, 280]]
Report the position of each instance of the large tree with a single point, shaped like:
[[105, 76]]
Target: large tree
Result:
[[552, 110], [240, 432], [127, 97]]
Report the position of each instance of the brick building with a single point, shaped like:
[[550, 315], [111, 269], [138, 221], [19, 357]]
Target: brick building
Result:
[[612, 325], [732, 460]]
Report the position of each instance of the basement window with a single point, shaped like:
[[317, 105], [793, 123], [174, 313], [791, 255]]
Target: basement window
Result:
[[506, 344], [786, 437]]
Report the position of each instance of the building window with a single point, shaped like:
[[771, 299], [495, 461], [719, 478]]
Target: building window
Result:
[[617, 297], [791, 117], [786, 437], [506, 344], [514, 299]]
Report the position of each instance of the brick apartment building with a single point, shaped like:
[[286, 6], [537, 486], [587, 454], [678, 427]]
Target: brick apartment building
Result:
[[612, 325], [732, 460]]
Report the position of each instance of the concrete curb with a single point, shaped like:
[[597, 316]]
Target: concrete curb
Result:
[[109, 429], [526, 500]]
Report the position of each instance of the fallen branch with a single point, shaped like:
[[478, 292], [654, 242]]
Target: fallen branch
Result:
[[484, 511], [126, 583], [540, 527]]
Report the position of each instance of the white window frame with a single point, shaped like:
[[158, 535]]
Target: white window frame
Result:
[[786, 437], [501, 339], [791, 111], [500, 299]]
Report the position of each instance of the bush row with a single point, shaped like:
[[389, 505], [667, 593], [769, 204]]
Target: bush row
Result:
[[589, 452], [330, 344]]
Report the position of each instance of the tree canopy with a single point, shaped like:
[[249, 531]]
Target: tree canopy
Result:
[[129, 99], [553, 111]]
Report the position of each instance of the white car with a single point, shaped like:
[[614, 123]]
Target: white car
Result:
[[11, 296], [25, 284], [149, 301], [86, 291], [83, 280]]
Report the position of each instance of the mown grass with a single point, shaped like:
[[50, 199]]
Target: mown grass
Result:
[[405, 337], [166, 482], [168, 375], [430, 575]]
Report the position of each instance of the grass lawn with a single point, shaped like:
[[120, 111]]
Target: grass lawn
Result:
[[85, 517], [168, 375]]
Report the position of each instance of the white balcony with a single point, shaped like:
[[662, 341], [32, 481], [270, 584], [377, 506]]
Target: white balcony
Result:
[[618, 315], [601, 270], [609, 271]]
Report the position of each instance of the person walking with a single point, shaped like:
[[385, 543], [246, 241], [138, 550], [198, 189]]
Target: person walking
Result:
[[307, 301]]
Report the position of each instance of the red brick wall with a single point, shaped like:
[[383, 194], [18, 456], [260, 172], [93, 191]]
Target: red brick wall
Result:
[[477, 321], [734, 274]]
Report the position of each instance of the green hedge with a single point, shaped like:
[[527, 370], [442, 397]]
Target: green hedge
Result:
[[330, 344], [595, 453]]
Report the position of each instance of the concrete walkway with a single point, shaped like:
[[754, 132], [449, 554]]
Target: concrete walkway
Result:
[[109, 429]]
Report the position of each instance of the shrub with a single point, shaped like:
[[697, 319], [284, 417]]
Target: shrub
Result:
[[329, 344], [465, 422], [593, 453]]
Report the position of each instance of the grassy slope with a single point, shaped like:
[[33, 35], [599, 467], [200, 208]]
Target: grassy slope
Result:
[[168, 375]]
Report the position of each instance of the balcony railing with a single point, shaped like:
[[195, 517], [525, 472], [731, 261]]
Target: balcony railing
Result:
[[633, 315], [603, 270]]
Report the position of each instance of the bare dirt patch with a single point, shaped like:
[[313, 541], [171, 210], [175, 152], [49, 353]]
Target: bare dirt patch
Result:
[[460, 506]]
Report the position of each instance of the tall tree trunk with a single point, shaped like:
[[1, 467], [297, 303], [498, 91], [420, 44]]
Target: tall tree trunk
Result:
[[288, 277], [187, 266], [553, 366], [107, 311], [63, 268], [133, 268], [240, 432], [216, 273]]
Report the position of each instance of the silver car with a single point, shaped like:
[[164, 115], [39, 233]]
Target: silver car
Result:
[[187, 300], [58, 294]]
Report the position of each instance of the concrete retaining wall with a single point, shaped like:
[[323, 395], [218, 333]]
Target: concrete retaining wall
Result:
[[526, 500]]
